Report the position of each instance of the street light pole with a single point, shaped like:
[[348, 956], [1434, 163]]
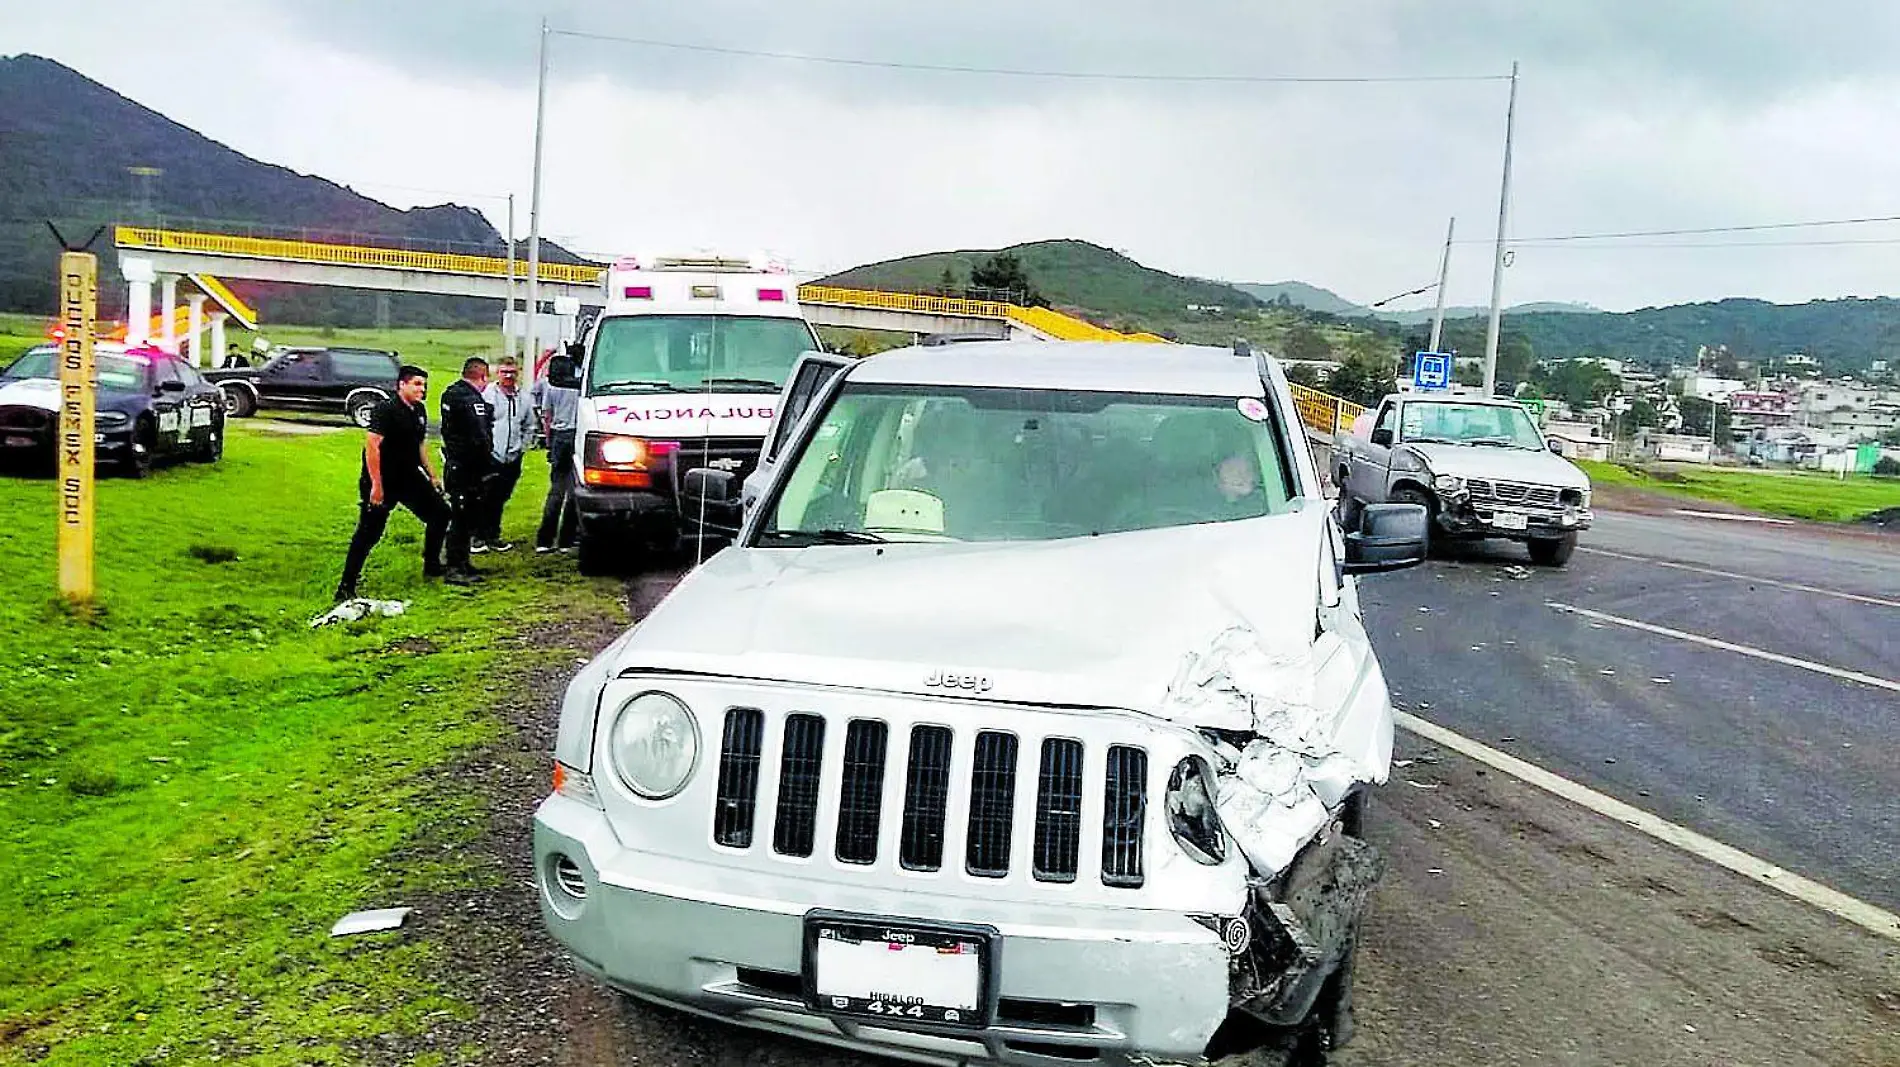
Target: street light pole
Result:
[[1497, 264], [508, 333], [1444, 271], [534, 217]]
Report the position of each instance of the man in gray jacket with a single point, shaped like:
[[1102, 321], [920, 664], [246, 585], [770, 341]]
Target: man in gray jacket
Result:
[[514, 422]]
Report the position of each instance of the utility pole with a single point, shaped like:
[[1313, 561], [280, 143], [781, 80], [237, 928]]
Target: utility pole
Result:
[[534, 218], [509, 343], [1444, 271], [1497, 264]]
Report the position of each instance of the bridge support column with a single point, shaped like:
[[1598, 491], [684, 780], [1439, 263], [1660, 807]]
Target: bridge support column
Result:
[[215, 350], [139, 275], [167, 301], [195, 325]]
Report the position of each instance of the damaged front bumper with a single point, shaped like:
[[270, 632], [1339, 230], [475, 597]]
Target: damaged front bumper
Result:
[[1104, 985], [1460, 516]]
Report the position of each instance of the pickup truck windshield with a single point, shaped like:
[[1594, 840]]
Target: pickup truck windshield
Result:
[[695, 353], [1480, 424], [934, 463]]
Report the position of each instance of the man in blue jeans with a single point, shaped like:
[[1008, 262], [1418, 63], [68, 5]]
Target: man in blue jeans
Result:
[[513, 421], [558, 398]]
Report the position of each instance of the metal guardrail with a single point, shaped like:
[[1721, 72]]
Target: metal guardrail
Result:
[[1324, 411], [344, 255], [922, 303]]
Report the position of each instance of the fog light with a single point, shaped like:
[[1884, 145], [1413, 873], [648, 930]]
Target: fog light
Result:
[[568, 877]]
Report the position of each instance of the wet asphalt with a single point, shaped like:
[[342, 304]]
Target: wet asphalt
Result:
[[1797, 767]]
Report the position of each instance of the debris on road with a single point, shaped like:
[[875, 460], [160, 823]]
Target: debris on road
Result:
[[1517, 573], [359, 608], [1421, 785], [364, 922]]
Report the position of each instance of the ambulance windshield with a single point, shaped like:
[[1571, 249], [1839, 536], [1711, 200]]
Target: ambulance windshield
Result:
[[695, 353]]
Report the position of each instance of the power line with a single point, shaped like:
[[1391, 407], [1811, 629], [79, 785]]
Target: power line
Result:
[[1838, 243], [1695, 231], [1015, 72]]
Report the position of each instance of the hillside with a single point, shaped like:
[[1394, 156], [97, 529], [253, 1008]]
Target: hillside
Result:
[[1301, 295], [1070, 273], [66, 143]]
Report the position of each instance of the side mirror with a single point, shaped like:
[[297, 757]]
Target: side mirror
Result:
[[1390, 537], [576, 350], [709, 500], [173, 386], [1554, 445], [1382, 437]]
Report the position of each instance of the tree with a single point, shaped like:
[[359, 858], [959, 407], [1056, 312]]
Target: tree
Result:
[[1891, 437], [1887, 467], [947, 284], [1305, 343], [1362, 379], [1640, 414], [1695, 419], [1581, 383], [1303, 374], [1004, 271]]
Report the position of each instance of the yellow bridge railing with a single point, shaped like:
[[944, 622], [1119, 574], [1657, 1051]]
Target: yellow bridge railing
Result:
[[222, 244], [1322, 411]]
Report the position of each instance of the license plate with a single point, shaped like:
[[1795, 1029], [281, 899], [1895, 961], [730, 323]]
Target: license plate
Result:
[[900, 971], [20, 442], [1509, 520]]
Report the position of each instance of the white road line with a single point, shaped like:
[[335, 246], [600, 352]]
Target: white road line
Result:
[[1730, 517], [1832, 901], [1730, 646], [1859, 598]]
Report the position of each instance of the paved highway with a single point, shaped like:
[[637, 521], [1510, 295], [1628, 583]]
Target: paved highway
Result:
[[1515, 927]]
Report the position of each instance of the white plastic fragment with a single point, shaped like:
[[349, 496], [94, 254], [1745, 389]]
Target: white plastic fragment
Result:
[[358, 608], [363, 922]]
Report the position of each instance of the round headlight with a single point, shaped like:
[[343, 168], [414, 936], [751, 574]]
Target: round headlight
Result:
[[1191, 813], [655, 744]]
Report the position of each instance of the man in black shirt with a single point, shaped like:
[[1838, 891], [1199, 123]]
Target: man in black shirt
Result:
[[468, 437], [396, 470]]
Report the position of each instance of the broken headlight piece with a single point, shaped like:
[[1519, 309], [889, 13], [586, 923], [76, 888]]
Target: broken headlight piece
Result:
[[1191, 815]]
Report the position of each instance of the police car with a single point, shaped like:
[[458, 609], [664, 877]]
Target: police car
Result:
[[681, 370], [150, 405]]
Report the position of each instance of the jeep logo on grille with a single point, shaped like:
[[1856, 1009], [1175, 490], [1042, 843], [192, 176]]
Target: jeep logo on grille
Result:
[[975, 683]]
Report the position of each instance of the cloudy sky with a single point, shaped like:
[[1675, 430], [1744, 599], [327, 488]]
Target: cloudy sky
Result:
[[1633, 115]]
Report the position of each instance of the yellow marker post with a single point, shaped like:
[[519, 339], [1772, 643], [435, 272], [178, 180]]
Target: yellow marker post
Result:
[[79, 303]]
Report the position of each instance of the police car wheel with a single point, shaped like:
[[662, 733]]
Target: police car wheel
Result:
[[138, 463], [211, 449]]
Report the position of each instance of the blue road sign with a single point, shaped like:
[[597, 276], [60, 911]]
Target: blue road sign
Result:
[[1431, 370]]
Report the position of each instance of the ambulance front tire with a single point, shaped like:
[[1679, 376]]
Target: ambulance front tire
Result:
[[593, 551]]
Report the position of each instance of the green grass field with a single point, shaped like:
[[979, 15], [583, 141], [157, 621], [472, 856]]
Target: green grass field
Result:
[[1796, 494], [194, 784]]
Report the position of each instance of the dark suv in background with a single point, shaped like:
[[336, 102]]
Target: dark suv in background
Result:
[[347, 381]]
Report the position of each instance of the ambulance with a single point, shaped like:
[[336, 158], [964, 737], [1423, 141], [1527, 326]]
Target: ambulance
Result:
[[682, 369]]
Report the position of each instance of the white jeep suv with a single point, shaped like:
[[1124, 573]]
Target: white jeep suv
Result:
[[1028, 719]]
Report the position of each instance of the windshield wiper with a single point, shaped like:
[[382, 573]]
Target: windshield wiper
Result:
[[759, 383], [1435, 441], [1495, 442], [827, 537], [645, 383]]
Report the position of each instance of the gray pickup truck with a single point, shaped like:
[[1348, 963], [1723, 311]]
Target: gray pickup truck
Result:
[[1478, 464]]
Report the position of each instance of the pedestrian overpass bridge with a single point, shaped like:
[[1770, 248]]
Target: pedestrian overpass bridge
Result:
[[147, 253]]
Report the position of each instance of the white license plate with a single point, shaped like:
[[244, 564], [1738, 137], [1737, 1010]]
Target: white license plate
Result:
[[1509, 520], [899, 972]]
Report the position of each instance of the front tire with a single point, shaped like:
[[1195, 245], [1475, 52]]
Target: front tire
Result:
[[238, 402], [211, 449], [361, 407], [1409, 495], [1554, 551], [590, 553], [144, 448]]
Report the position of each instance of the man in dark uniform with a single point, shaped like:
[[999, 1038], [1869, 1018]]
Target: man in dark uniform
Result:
[[396, 470], [468, 429]]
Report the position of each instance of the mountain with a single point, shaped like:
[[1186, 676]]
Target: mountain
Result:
[[1845, 334], [1314, 298], [1069, 273], [67, 144], [1300, 294]]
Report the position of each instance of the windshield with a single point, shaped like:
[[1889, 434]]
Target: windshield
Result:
[[695, 353], [112, 372], [1494, 424], [926, 463]]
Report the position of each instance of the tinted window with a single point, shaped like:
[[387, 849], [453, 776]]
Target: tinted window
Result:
[[688, 353], [812, 377], [364, 366], [298, 367], [983, 464], [35, 364]]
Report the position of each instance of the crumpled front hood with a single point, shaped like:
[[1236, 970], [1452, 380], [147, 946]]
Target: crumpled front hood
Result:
[[1507, 464], [1102, 621]]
